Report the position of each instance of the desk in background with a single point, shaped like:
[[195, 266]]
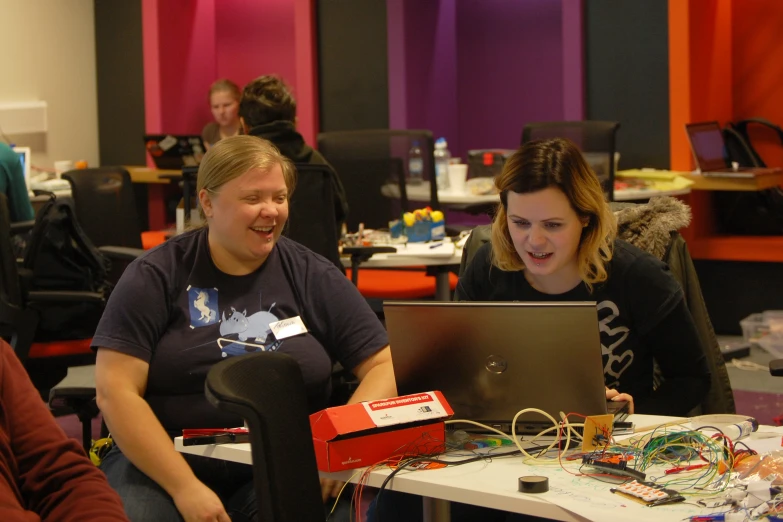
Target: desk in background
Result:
[[156, 181], [421, 193], [494, 484], [703, 237], [442, 259]]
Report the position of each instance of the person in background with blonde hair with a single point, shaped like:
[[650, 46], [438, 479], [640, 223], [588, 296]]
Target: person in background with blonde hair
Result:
[[211, 293], [224, 96], [553, 239]]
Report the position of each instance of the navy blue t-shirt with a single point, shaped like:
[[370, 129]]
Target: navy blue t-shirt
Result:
[[176, 310]]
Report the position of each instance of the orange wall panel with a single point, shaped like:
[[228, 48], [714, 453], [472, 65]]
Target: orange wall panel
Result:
[[757, 73], [679, 84]]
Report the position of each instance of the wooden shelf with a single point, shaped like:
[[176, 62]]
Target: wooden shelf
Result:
[[738, 248], [759, 182], [147, 175]]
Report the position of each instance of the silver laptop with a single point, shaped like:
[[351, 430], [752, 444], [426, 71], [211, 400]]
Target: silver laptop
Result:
[[709, 151], [491, 360]]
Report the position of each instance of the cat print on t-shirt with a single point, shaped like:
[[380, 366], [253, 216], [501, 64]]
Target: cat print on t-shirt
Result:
[[240, 332]]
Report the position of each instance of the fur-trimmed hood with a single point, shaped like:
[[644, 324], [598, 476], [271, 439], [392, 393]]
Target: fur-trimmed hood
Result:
[[649, 226]]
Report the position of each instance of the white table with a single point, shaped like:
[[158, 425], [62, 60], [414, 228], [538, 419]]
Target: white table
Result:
[[443, 257], [494, 484], [421, 192]]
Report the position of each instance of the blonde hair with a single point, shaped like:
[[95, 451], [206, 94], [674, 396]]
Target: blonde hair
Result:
[[225, 85], [233, 156], [541, 164]]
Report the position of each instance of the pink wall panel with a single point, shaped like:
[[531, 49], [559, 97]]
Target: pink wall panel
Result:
[[186, 53], [189, 44], [149, 13], [255, 37]]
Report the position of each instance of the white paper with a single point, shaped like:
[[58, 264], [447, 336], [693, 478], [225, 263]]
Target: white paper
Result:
[[288, 327], [432, 249]]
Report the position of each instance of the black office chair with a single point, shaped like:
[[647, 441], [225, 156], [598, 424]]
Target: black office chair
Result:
[[106, 207], [46, 359], [596, 140], [268, 391], [368, 159], [311, 219]]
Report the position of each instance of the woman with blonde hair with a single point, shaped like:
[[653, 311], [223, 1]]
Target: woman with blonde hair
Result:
[[212, 293], [553, 239], [224, 96]]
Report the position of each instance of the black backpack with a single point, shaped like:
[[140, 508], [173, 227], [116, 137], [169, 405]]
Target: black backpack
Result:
[[749, 212], [59, 256]]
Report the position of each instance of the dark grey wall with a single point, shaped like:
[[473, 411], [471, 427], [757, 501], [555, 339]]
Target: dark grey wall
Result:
[[120, 73], [353, 65], [627, 76], [735, 289]]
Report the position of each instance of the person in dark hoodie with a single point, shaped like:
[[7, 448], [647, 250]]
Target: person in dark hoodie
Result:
[[268, 110]]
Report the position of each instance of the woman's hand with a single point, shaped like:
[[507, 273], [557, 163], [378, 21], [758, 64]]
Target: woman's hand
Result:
[[614, 395], [330, 488], [198, 503]]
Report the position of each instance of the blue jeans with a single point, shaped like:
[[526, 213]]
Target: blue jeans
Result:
[[145, 501]]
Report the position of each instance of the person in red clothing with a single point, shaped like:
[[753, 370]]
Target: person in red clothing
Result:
[[44, 475]]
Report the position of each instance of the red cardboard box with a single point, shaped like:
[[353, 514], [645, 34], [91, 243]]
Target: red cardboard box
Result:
[[362, 434]]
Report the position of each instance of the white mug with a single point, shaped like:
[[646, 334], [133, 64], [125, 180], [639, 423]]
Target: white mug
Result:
[[458, 174], [62, 166]]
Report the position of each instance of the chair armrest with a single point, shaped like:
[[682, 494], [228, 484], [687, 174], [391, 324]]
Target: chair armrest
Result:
[[63, 296], [121, 253], [71, 393], [81, 401], [20, 227], [360, 254]]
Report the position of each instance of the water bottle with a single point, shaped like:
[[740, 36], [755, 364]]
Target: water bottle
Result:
[[415, 164], [442, 156]]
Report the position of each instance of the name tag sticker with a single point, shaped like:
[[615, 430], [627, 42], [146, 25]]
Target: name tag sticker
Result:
[[288, 328]]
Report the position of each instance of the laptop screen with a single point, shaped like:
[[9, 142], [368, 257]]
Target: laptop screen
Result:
[[707, 145], [172, 152], [491, 360], [24, 158]]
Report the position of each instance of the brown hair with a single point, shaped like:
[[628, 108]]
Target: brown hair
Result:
[[541, 164], [267, 99], [233, 156], [224, 85]]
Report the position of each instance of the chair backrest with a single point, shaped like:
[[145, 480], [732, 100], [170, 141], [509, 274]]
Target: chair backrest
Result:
[[596, 139], [268, 391], [17, 325], [10, 289], [368, 159], [106, 205], [311, 220], [669, 246]]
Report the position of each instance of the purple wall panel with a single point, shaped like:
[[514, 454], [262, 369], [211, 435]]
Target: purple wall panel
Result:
[[395, 42], [573, 61], [475, 71], [431, 72], [510, 64]]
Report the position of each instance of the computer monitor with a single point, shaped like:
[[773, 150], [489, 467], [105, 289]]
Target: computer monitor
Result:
[[24, 159]]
